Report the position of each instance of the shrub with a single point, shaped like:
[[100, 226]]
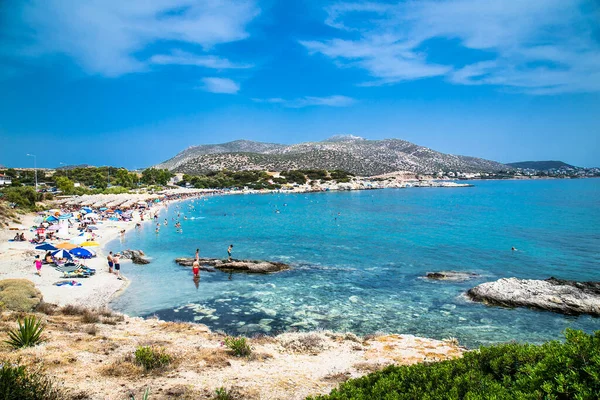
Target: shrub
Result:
[[222, 393], [19, 295], [238, 345], [89, 317], [151, 357], [16, 382], [554, 370], [28, 334], [71, 309]]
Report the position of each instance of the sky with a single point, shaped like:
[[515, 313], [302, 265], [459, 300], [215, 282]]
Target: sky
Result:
[[132, 83]]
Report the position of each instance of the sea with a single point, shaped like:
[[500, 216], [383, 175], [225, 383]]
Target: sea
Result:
[[359, 259]]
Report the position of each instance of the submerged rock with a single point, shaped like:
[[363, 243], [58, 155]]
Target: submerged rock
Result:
[[557, 295], [451, 276], [250, 266]]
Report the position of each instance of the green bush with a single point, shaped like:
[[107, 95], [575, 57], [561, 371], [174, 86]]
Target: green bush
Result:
[[222, 393], [238, 345], [552, 371], [29, 333], [17, 383], [151, 357]]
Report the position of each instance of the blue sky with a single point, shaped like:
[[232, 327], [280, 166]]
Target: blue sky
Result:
[[131, 83]]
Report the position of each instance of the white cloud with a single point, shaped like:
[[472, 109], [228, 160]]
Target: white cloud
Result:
[[307, 101], [105, 37], [535, 46], [220, 85], [179, 57]]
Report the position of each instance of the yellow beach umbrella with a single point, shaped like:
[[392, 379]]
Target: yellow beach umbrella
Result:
[[66, 246], [89, 243]]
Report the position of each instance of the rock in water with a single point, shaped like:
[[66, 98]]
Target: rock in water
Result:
[[249, 266], [557, 295], [451, 276], [136, 256]]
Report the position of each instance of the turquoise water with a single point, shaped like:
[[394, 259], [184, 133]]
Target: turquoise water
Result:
[[358, 259]]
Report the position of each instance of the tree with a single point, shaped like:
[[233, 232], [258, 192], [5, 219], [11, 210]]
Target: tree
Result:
[[65, 185]]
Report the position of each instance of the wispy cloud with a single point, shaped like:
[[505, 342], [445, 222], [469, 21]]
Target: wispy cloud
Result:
[[536, 46], [178, 57], [106, 37], [307, 101], [220, 85]]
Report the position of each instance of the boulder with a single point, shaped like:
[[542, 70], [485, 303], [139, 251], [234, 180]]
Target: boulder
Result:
[[557, 295], [455, 276], [249, 266], [136, 256]]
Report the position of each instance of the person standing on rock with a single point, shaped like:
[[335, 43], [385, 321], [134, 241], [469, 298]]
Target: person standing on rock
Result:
[[197, 254], [229, 252], [109, 258], [196, 268]]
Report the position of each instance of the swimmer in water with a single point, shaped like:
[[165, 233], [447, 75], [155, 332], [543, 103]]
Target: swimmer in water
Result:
[[513, 249]]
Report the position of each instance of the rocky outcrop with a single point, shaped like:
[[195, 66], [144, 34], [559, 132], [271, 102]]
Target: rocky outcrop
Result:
[[250, 266], [557, 295], [455, 276], [136, 256]]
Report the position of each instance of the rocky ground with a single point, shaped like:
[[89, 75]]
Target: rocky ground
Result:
[[91, 354]]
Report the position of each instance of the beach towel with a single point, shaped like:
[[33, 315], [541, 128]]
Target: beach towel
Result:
[[67, 283]]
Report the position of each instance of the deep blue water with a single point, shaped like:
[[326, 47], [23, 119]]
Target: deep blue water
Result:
[[359, 257]]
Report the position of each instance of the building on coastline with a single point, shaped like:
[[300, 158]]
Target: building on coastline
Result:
[[5, 180]]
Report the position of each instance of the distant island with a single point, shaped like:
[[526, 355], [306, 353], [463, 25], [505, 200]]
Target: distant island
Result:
[[541, 165]]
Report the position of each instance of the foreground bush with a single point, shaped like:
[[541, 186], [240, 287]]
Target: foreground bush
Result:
[[553, 371], [19, 295], [238, 345], [152, 357], [29, 333], [17, 383]]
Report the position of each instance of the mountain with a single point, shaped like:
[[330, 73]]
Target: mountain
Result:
[[540, 165], [346, 152]]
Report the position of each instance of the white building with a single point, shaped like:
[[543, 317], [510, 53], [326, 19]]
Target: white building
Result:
[[5, 180]]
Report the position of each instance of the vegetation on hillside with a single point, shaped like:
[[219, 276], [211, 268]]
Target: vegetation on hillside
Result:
[[552, 371], [260, 179]]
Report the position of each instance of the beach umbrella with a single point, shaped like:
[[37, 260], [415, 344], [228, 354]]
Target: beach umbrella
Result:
[[66, 216], [78, 240], [103, 209], [46, 247], [62, 253], [66, 246], [90, 243], [92, 227], [81, 252], [91, 215], [87, 210], [51, 219], [38, 220]]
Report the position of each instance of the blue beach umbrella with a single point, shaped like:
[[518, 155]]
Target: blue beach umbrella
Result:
[[46, 247], [87, 210], [103, 209], [51, 219], [81, 252], [62, 253]]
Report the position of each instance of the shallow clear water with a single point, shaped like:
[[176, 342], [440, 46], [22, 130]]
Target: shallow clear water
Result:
[[359, 257]]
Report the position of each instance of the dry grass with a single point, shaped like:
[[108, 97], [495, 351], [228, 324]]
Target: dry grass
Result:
[[311, 343], [212, 358], [337, 377], [46, 308], [71, 309], [91, 329], [90, 317], [121, 368], [368, 367]]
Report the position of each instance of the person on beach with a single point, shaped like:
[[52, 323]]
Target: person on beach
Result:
[[110, 260], [197, 254], [38, 265], [196, 268], [117, 266], [229, 252]]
